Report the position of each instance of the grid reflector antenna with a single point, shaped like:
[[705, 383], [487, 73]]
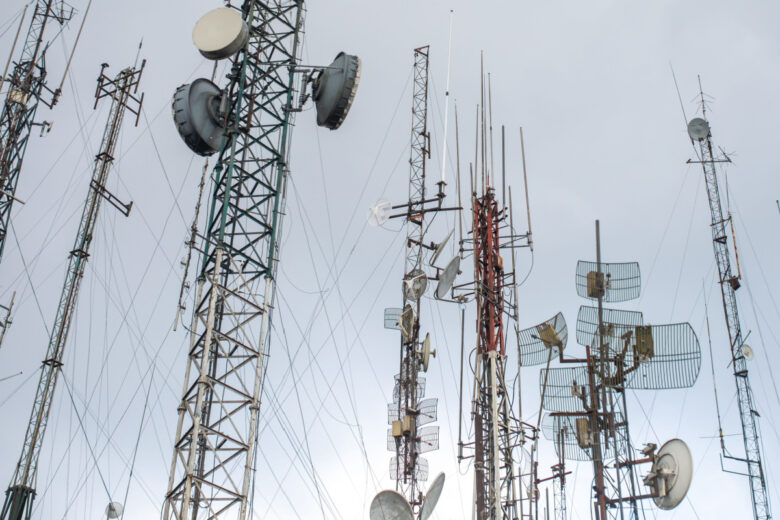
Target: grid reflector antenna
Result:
[[390, 505], [619, 282], [578, 437], [566, 388], [407, 322], [393, 318], [588, 323], [661, 356], [427, 439], [397, 468], [535, 342]]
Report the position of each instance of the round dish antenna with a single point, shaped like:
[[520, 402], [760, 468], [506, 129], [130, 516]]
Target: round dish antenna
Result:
[[440, 247], [432, 497], [196, 108], [671, 475], [447, 277], [747, 351], [415, 283], [390, 505], [698, 129], [220, 33], [114, 510], [426, 351], [379, 212], [334, 90]]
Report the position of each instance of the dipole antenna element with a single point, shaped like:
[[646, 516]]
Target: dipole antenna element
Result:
[[122, 90]]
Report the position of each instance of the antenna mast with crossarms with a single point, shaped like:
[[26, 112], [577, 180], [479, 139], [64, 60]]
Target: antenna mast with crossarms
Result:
[[26, 86], [122, 89], [699, 132]]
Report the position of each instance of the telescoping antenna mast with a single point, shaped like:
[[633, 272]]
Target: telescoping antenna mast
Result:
[[25, 90], [699, 132], [248, 123], [122, 89], [588, 401], [409, 415]]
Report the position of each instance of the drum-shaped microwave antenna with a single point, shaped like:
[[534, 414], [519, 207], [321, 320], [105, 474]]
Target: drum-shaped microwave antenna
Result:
[[698, 129], [220, 33], [196, 114], [432, 497], [334, 90], [379, 212], [448, 277], [390, 505], [440, 247], [426, 352], [671, 474], [114, 510]]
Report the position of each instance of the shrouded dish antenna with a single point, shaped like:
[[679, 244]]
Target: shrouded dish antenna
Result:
[[671, 474], [220, 33], [698, 129], [432, 497], [334, 90], [379, 212], [196, 108], [390, 505], [114, 510], [448, 277], [440, 247]]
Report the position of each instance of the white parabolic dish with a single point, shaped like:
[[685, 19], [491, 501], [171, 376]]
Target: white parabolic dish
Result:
[[448, 277], [698, 129], [220, 33], [390, 505], [432, 497], [673, 463], [114, 510]]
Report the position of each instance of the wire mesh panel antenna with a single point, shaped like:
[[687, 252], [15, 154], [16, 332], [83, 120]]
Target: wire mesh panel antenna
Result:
[[699, 132], [26, 86], [121, 90], [216, 434]]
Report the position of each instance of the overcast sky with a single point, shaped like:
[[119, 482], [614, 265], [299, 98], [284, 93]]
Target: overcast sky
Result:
[[591, 85]]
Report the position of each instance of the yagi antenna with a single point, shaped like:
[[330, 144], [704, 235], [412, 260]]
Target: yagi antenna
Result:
[[447, 277], [440, 247], [432, 497], [390, 505]]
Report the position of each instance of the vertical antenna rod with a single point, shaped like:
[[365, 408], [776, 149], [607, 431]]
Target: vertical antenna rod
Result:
[[212, 467], [25, 90], [699, 132], [21, 492]]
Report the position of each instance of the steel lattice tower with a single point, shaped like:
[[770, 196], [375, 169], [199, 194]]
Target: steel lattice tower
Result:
[[26, 86], [216, 436], [21, 492], [729, 283], [495, 435], [407, 454]]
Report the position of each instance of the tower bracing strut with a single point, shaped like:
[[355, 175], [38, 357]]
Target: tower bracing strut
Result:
[[25, 88], [729, 283], [21, 492], [216, 436]]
